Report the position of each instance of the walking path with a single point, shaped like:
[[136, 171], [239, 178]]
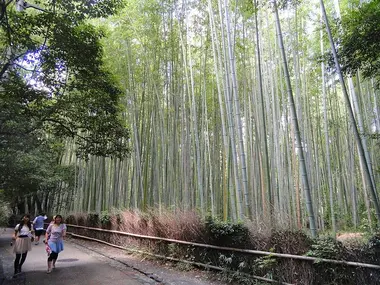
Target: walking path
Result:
[[75, 266]]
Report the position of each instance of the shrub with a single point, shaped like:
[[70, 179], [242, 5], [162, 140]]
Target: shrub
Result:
[[326, 247], [227, 234]]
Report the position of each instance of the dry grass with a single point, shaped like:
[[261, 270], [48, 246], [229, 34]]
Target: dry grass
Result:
[[179, 225], [351, 239], [189, 226], [133, 222]]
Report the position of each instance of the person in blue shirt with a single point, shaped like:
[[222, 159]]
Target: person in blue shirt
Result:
[[38, 224]]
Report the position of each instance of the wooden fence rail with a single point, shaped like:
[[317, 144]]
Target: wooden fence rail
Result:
[[247, 251], [208, 266]]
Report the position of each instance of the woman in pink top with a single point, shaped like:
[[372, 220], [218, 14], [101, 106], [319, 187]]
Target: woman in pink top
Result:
[[55, 234]]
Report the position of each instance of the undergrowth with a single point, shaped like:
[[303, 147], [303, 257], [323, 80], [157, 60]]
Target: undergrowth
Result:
[[238, 267]]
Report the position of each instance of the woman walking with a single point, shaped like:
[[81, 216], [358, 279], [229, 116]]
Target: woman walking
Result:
[[54, 236], [23, 236]]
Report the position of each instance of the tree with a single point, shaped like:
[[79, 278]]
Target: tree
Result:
[[32, 175], [54, 87], [53, 64], [359, 46]]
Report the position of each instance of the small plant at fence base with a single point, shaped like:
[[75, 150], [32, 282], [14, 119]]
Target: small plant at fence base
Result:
[[265, 266], [262, 266], [105, 220], [326, 247]]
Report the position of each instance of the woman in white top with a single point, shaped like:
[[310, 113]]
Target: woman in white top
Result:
[[23, 234]]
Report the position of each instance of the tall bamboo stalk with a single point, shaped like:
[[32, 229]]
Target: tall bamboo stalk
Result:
[[298, 141]]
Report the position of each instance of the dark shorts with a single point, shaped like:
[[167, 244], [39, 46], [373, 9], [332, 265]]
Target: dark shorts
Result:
[[39, 232]]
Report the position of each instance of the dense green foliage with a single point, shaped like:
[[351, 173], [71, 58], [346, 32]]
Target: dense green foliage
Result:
[[359, 44], [54, 87], [227, 234], [59, 60]]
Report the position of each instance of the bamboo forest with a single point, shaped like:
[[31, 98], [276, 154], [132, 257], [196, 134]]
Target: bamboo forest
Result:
[[248, 110], [240, 136]]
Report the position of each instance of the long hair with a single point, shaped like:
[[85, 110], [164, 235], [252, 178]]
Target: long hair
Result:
[[28, 223]]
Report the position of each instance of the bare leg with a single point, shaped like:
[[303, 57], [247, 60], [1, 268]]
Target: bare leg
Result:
[[49, 266]]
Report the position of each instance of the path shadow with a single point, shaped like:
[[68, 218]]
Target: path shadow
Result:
[[67, 260]]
